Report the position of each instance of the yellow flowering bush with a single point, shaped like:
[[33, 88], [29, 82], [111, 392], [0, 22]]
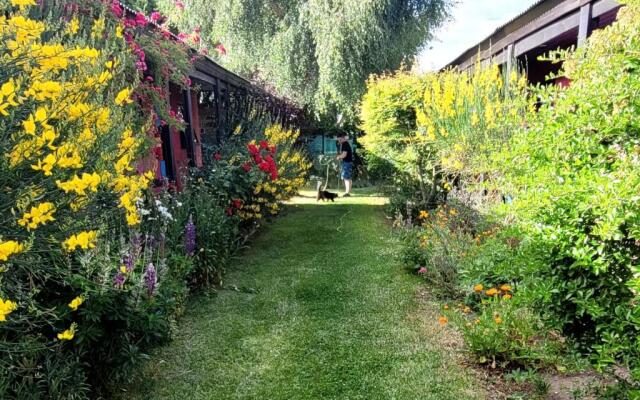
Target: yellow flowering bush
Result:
[[68, 179], [437, 128]]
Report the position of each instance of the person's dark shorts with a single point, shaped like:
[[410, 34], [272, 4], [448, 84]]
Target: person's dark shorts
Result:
[[347, 170]]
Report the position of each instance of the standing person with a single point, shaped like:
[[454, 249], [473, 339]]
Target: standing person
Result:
[[346, 155]]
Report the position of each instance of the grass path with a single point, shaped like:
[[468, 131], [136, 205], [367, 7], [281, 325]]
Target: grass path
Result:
[[324, 312]]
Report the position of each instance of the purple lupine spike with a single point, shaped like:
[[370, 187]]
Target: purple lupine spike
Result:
[[150, 278], [190, 237], [136, 246], [128, 262], [119, 279]]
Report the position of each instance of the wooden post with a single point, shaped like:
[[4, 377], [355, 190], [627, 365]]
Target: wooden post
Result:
[[586, 12], [188, 117], [216, 94], [510, 61]]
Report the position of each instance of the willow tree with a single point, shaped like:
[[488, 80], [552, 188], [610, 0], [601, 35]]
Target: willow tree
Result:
[[317, 52]]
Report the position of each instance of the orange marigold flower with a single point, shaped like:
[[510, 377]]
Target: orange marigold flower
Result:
[[443, 320], [498, 320], [507, 296], [506, 288], [478, 288], [492, 292]]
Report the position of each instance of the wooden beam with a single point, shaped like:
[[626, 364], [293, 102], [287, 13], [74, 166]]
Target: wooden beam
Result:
[[548, 33], [585, 24], [568, 12]]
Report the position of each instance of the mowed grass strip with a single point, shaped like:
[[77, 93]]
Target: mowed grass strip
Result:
[[324, 312]]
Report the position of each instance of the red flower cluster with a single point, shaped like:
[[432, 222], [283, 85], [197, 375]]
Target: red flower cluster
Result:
[[265, 163], [236, 204]]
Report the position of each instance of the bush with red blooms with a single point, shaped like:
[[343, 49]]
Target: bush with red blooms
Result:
[[263, 157]]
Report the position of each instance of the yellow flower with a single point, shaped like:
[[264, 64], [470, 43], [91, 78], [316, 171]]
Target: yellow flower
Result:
[[506, 288], [84, 240], [133, 219], [73, 26], [75, 303], [119, 30], [81, 185], [123, 269], [6, 308], [423, 215], [498, 320], [45, 165], [68, 334], [23, 3], [9, 248], [39, 215], [478, 288], [124, 97], [507, 297]]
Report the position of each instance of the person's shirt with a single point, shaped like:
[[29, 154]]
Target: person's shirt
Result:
[[347, 147]]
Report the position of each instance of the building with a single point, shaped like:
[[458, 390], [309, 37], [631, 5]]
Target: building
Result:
[[216, 102], [547, 25]]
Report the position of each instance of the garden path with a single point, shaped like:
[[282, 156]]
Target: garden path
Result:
[[318, 308]]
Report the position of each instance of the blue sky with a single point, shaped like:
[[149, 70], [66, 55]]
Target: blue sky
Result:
[[473, 20]]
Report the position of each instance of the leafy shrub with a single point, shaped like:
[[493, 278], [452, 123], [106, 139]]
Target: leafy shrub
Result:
[[507, 334], [433, 129], [574, 178], [561, 182]]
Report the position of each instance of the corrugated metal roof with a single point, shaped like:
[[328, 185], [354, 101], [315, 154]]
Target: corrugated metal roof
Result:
[[498, 29]]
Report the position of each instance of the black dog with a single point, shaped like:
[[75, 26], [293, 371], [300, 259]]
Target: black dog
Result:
[[325, 195]]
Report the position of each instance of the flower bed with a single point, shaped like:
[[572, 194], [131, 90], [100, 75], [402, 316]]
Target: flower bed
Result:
[[94, 269], [545, 181]]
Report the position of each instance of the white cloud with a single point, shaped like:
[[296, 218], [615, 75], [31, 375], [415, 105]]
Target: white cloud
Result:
[[473, 21]]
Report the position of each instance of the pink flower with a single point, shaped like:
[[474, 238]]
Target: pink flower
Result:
[[166, 34], [155, 16], [179, 5], [116, 8], [141, 19], [218, 156], [221, 49], [182, 36], [422, 271]]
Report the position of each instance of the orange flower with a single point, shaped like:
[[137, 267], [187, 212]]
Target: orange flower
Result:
[[498, 320], [477, 321], [443, 320], [507, 296], [478, 288], [492, 292], [446, 307], [506, 288], [466, 310]]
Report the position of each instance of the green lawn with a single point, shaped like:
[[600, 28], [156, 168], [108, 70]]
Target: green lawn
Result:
[[324, 311]]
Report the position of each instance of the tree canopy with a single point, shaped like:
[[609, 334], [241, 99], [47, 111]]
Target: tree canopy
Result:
[[316, 52]]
